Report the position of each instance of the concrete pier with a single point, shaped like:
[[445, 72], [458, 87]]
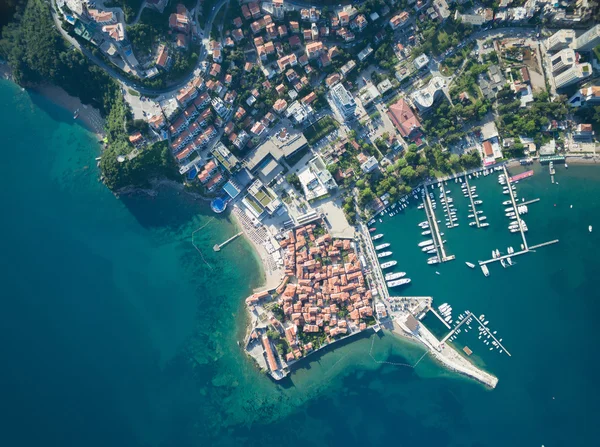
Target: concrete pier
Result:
[[481, 325], [473, 209], [443, 195], [438, 242], [218, 247], [514, 203]]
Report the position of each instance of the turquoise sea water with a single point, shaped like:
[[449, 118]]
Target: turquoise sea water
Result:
[[115, 332]]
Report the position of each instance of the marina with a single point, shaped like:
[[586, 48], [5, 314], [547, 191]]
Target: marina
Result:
[[521, 228], [445, 199], [483, 327]]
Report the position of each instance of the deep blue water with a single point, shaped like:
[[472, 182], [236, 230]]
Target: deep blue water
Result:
[[115, 332]]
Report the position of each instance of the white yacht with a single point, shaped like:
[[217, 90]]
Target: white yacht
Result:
[[388, 264], [377, 236], [384, 254], [433, 260], [485, 224], [425, 243], [382, 246], [470, 264], [392, 276], [398, 282], [472, 224], [506, 202], [425, 233]]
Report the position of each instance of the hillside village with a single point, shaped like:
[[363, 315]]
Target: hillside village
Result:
[[287, 111]]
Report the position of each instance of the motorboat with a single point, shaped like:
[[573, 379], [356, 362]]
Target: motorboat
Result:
[[482, 218], [425, 243], [384, 254], [426, 249], [506, 202], [433, 260], [388, 264], [432, 251], [392, 276], [377, 236], [503, 263], [448, 319], [485, 224], [470, 264], [478, 202], [382, 246], [425, 233], [398, 282], [510, 208], [509, 261], [472, 224], [371, 230]]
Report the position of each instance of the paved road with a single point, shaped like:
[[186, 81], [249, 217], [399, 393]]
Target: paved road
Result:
[[116, 74]]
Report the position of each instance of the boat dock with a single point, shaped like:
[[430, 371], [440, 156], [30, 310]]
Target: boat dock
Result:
[[218, 247], [521, 176], [473, 209], [514, 203], [527, 248], [438, 242], [450, 224], [530, 202], [481, 325]]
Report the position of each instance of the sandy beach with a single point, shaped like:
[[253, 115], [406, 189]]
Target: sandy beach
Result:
[[88, 116]]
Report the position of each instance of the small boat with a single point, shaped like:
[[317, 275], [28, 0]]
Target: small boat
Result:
[[509, 261], [506, 202], [503, 263], [448, 319], [384, 254], [76, 114], [425, 233], [470, 264], [482, 218], [432, 251], [433, 261], [485, 224], [437, 273], [495, 332], [382, 246], [377, 236], [388, 264], [478, 202], [472, 224], [486, 323], [590, 228], [425, 243], [371, 230]]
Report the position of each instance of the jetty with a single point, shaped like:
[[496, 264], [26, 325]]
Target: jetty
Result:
[[438, 242], [218, 247], [473, 209], [447, 206]]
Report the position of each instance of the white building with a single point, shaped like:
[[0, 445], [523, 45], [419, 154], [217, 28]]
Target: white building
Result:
[[298, 111], [586, 96], [573, 75], [588, 40], [369, 165], [316, 180], [421, 61], [561, 39], [562, 61], [424, 98], [343, 100]]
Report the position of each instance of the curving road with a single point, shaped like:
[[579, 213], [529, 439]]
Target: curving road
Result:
[[116, 74]]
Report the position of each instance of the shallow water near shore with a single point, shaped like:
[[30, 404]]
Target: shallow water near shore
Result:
[[116, 331]]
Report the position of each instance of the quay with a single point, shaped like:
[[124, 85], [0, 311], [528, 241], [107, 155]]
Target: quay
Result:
[[218, 247], [473, 209], [435, 230]]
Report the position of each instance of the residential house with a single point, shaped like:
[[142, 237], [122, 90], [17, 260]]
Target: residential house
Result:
[[180, 20], [314, 49], [359, 23], [398, 20], [163, 60], [404, 119]]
